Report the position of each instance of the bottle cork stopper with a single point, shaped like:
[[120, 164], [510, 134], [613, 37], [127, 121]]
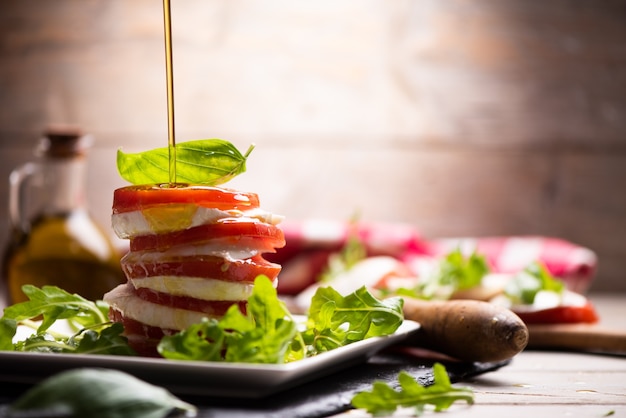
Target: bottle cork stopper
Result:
[[64, 141]]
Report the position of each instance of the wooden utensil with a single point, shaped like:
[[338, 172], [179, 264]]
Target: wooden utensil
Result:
[[468, 330]]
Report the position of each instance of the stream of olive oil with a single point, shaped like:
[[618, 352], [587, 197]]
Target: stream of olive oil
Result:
[[167, 20]]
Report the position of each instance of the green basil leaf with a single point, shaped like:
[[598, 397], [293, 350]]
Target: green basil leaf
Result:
[[97, 393], [206, 161], [383, 400]]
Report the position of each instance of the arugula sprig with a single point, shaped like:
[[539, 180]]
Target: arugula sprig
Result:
[[335, 320], [205, 161], [263, 335], [95, 333], [453, 272], [383, 400], [268, 333]]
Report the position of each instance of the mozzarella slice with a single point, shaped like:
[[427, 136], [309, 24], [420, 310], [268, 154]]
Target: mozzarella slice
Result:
[[123, 299], [196, 287], [174, 217]]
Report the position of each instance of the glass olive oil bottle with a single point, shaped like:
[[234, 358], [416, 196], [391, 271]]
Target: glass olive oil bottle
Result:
[[53, 239]]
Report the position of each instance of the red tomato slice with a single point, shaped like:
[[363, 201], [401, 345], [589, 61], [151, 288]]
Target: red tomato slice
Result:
[[144, 347], [229, 232], [139, 197], [203, 266], [560, 315], [141, 337], [213, 308]]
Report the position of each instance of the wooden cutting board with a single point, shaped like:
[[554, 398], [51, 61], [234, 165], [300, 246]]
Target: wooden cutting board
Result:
[[577, 337]]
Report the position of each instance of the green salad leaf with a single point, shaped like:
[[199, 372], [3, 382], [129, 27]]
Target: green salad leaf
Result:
[[97, 393], [263, 335], [95, 333], [206, 161], [453, 272], [525, 285], [268, 333], [383, 400], [335, 320]]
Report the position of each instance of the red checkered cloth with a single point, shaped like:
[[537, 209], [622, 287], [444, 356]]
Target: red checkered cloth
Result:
[[309, 243]]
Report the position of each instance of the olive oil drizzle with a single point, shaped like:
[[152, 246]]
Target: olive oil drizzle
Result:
[[167, 20]]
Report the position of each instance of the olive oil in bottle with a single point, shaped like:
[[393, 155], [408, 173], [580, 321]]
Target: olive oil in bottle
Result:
[[54, 240]]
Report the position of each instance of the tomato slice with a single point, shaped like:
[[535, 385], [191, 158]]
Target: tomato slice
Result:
[[208, 267], [140, 197], [141, 337], [144, 347], [560, 315], [228, 232]]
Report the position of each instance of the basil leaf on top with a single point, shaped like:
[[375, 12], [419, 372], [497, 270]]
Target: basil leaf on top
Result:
[[208, 162]]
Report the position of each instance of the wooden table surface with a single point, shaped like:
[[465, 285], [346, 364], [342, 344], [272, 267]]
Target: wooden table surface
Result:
[[550, 384]]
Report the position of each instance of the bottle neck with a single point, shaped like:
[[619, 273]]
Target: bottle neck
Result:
[[63, 181]]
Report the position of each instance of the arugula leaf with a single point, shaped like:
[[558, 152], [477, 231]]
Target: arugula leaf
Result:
[[52, 303], [96, 333], [206, 161], [203, 342], [525, 285], [383, 400], [335, 320], [92, 392], [453, 272], [269, 334], [263, 335], [266, 333]]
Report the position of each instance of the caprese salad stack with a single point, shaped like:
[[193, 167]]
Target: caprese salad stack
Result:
[[194, 252]]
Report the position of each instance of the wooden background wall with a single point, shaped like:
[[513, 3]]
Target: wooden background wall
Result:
[[495, 117]]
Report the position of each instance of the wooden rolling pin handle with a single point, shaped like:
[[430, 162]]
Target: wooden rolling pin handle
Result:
[[468, 330]]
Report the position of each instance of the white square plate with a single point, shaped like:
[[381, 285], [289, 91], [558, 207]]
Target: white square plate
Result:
[[203, 378]]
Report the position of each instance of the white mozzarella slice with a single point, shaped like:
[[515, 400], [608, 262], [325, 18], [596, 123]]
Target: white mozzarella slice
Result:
[[124, 300], [196, 287], [130, 224]]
